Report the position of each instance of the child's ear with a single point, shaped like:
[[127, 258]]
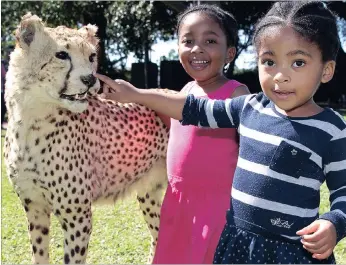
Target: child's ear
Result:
[[328, 71], [231, 52]]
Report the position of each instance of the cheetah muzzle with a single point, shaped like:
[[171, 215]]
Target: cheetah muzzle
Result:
[[66, 148]]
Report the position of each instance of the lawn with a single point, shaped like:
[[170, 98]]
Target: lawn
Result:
[[119, 236]]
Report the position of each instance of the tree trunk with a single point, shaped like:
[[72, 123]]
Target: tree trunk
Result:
[[97, 17], [229, 72], [146, 59]]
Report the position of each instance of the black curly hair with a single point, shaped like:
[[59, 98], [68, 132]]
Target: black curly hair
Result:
[[312, 20]]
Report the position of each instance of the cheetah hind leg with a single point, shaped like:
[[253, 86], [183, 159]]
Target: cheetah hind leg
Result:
[[150, 200]]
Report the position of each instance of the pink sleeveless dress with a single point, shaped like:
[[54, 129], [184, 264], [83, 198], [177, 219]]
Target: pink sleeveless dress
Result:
[[201, 164]]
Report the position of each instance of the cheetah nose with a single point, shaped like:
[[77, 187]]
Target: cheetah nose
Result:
[[88, 80]]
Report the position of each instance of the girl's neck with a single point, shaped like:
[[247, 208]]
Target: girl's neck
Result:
[[212, 83]]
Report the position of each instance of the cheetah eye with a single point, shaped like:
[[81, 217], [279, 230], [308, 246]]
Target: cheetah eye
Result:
[[62, 55], [92, 57]]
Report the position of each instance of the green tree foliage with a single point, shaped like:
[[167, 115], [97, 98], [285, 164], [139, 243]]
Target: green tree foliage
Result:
[[172, 56], [131, 26], [124, 26], [135, 26], [52, 12]]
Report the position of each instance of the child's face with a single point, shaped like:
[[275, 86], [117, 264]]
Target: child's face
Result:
[[290, 70], [203, 47]]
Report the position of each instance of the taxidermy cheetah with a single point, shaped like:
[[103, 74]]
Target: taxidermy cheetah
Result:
[[66, 148]]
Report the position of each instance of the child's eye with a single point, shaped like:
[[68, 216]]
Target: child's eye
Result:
[[299, 63], [210, 41], [269, 63], [187, 41]]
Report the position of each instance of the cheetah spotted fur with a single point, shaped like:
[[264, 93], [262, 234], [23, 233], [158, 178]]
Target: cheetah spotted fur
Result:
[[66, 148]]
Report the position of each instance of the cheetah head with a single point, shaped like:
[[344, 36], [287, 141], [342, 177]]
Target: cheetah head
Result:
[[53, 66]]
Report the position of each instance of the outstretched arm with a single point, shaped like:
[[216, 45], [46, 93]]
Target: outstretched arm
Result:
[[165, 103], [188, 109]]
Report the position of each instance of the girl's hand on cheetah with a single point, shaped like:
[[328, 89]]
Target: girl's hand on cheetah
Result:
[[319, 238], [118, 90]]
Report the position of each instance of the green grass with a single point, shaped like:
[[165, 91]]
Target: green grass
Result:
[[119, 236]]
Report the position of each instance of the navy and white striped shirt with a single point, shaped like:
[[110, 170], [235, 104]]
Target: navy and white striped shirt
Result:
[[282, 163]]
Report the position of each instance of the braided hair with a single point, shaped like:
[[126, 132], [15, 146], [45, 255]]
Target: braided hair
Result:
[[312, 20], [226, 21]]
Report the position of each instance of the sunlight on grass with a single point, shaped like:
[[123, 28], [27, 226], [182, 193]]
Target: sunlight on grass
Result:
[[119, 236]]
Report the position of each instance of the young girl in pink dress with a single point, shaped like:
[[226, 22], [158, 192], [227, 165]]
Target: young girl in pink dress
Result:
[[200, 164], [200, 161]]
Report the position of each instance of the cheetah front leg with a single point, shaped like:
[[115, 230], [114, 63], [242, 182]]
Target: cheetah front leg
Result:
[[38, 225], [77, 225]]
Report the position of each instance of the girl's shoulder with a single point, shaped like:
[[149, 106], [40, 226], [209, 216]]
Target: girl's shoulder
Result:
[[187, 88], [329, 115], [222, 92], [254, 99], [228, 88]]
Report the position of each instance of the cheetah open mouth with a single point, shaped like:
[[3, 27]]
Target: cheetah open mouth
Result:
[[76, 97]]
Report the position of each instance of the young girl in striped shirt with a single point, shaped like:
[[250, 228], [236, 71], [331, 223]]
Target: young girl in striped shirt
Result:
[[288, 144]]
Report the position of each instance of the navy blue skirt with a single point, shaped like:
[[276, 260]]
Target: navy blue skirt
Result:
[[237, 246]]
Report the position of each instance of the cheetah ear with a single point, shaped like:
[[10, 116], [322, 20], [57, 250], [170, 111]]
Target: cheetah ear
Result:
[[89, 31], [29, 26]]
